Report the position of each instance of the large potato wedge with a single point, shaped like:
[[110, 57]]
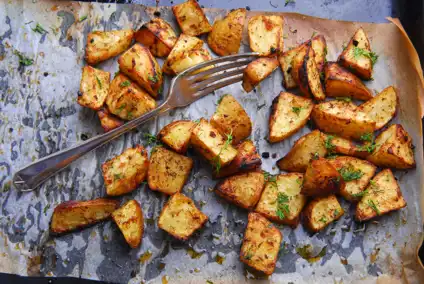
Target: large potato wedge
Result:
[[339, 82], [322, 211], [190, 58], [297, 61], [129, 218], [319, 45], [382, 108], [191, 18], [340, 145], [289, 113], [261, 244], [94, 87], [266, 34], [158, 36], [72, 215], [108, 120], [286, 60], [309, 77], [176, 135], [104, 45], [382, 196], [140, 65], [257, 70], [230, 117], [226, 34]]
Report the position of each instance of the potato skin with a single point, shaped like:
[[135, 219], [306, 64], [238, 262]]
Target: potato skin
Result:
[[94, 87], [191, 18], [298, 60], [176, 135], [266, 34], [108, 120], [322, 211], [129, 218], [309, 77], [319, 45], [257, 70], [71, 215]]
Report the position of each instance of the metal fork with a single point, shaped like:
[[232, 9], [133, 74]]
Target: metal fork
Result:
[[185, 89]]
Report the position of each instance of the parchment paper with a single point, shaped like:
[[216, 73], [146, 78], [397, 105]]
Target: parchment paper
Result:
[[39, 115]]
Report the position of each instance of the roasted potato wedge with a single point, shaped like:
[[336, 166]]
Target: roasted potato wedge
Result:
[[281, 200], [339, 82], [129, 218], [381, 108], [393, 149], [158, 36], [72, 215], [339, 145], [243, 190], [140, 65], [342, 118], [286, 60], [266, 34], [230, 117], [191, 18], [304, 149], [126, 100], [176, 135], [356, 174], [188, 59], [321, 179], [125, 172], [289, 113], [226, 34], [217, 149], [180, 217], [382, 196], [297, 61], [247, 159], [319, 45], [357, 55], [322, 211], [108, 120], [257, 70], [168, 171], [94, 87], [309, 77], [261, 244], [104, 45]]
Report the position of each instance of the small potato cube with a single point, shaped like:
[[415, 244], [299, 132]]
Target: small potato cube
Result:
[[243, 190], [261, 244], [94, 87], [322, 211], [319, 45], [340, 145], [289, 113], [158, 36], [129, 218], [108, 120], [394, 149], [190, 58], [191, 18], [140, 65], [168, 171], [257, 70], [382, 196], [71, 215], [281, 200], [176, 135], [230, 117], [127, 100], [180, 217], [125, 172], [266, 34], [104, 45], [309, 77]]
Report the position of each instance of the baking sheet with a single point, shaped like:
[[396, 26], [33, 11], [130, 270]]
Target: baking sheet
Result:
[[39, 115]]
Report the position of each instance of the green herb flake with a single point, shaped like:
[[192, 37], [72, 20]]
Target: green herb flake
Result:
[[349, 173], [39, 29], [282, 206], [360, 194], [345, 99], [358, 52], [370, 146], [125, 84], [46, 208], [220, 99], [287, 2], [83, 18], [323, 219], [296, 110], [153, 79], [117, 176], [151, 139], [216, 161], [367, 137], [373, 206], [23, 60], [313, 34], [116, 74], [248, 255], [315, 156], [197, 121], [329, 145], [99, 82], [336, 213]]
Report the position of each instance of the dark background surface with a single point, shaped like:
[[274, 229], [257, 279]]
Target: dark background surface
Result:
[[410, 12]]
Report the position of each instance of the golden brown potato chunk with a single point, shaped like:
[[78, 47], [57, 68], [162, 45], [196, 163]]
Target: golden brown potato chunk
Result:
[[168, 171], [266, 34], [94, 87], [257, 70], [180, 217], [319, 45], [191, 18], [190, 58], [104, 45], [243, 190], [393, 149], [304, 149], [129, 218], [125, 172], [281, 200], [286, 60], [176, 135], [339, 82], [382, 196], [230, 117], [158, 36], [261, 244], [108, 120], [127, 100], [381, 108], [72, 215], [289, 113], [340, 145], [309, 77], [322, 211], [140, 65], [297, 62], [226, 34]]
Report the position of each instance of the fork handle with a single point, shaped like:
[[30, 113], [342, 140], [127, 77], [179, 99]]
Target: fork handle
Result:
[[33, 175]]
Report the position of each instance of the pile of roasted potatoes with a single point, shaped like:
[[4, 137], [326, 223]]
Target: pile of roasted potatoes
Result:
[[342, 157]]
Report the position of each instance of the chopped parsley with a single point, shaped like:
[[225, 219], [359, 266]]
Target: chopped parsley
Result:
[[349, 173], [121, 107], [282, 206], [116, 73], [151, 139], [373, 206], [358, 52], [197, 121], [345, 99], [153, 79], [367, 137], [329, 145], [336, 213], [313, 34], [315, 156], [125, 84], [369, 147], [23, 60], [39, 29], [323, 219], [296, 110], [287, 2], [216, 160], [99, 82], [220, 99], [117, 176], [270, 178], [360, 194], [83, 18]]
